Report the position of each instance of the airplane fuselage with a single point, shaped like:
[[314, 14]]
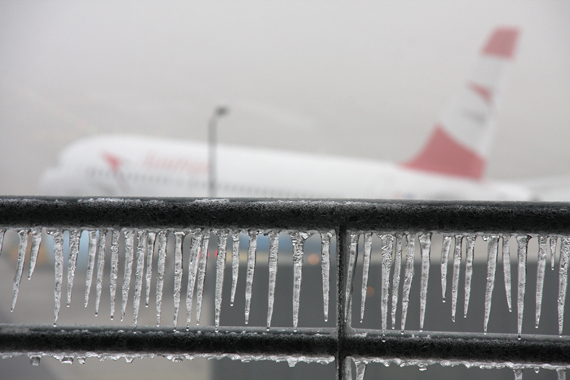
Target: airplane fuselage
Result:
[[142, 166]]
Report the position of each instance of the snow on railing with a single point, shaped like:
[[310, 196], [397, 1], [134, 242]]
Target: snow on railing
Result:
[[146, 224]]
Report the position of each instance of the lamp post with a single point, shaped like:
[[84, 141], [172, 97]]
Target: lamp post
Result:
[[219, 111]]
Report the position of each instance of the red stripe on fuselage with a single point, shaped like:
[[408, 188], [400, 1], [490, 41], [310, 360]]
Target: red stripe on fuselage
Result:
[[484, 92], [442, 154], [502, 42]]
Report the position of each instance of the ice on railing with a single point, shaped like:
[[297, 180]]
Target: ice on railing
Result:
[[456, 269], [408, 277], [468, 271], [393, 251], [361, 363], [492, 251], [506, 249]]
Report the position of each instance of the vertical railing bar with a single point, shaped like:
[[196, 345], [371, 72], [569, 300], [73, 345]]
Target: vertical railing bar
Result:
[[342, 243]]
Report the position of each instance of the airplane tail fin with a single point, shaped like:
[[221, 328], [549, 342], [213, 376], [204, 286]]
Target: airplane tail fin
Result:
[[460, 142]]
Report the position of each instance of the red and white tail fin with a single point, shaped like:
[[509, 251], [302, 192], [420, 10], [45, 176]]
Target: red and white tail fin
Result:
[[459, 144]]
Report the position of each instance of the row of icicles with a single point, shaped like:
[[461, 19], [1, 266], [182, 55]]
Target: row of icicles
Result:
[[145, 248], [392, 256], [141, 243]]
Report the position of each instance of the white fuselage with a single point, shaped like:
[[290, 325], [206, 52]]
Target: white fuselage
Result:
[[143, 166]]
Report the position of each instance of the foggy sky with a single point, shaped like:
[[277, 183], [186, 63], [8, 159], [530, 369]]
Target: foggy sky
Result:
[[365, 79]]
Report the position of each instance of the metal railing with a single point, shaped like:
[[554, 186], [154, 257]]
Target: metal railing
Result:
[[341, 343]]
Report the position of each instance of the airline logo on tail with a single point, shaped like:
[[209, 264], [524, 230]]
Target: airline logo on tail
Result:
[[459, 144]]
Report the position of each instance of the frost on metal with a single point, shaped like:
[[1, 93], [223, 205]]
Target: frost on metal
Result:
[[396, 255]]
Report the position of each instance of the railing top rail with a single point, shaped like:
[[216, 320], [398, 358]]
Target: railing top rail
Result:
[[317, 214]]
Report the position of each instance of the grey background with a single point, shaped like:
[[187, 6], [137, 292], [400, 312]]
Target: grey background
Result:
[[366, 79]]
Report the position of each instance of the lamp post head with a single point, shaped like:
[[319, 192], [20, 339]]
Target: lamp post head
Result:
[[221, 110]]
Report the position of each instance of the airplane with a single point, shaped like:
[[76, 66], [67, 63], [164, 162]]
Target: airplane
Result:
[[450, 166]]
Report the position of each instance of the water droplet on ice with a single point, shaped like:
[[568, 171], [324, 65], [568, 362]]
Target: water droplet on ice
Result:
[[67, 359], [35, 360]]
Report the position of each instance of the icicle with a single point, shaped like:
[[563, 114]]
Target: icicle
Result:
[[562, 280], [553, 241], [74, 237], [202, 275], [179, 239], [408, 277], [518, 373], [58, 269], [100, 267], [522, 243], [91, 251], [352, 257], [2, 233], [492, 251], [197, 238], [365, 269], [251, 254], [425, 247], [561, 373], [235, 264], [387, 244], [298, 241], [396, 278], [507, 268], [129, 247], [36, 242], [161, 267], [542, 247], [456, 269], [220, 268], [468, 271], [141, 253], [445, 247], [114, 269], [273, 255], [360, 369], [325, 269], [20, 266], [151, 236]]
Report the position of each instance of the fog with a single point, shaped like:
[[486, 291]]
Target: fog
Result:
[[362, 79]]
